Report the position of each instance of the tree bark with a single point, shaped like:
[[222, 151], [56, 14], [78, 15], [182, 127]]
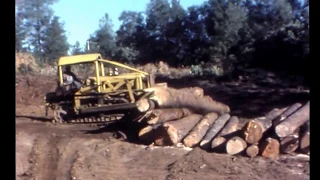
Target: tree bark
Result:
[[214, 130], [230, 127], [252, 150], [172, 132], [289, 125], [270, 148], [289, 144], [164, 115], [173, 98], [254, 129], [197, 133], [286, 113], [235, 145], [197, 91]]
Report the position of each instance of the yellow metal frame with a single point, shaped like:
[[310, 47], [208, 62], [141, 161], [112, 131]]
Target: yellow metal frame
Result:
[[105, 84]]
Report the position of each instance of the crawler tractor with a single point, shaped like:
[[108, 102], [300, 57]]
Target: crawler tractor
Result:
[[102, 97]]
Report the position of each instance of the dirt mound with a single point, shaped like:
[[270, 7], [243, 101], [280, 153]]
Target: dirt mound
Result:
[[31, 89]]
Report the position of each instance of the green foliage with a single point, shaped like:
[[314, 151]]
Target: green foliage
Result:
[[55, 42], [76, 49]]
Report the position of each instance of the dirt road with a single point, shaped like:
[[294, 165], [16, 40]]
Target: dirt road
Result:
[[45, 152]]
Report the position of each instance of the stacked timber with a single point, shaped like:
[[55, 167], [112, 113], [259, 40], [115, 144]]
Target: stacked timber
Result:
[[189, 117]]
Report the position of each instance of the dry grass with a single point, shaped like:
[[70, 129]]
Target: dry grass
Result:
[[159, 69]]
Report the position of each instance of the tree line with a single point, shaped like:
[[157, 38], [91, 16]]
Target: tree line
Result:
[[230, 34]]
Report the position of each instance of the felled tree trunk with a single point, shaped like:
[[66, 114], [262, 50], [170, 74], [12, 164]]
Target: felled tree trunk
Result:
[[169, 114], [173, 98], [293, 122], [197, 133], [172, 132], [214, 130], [197, 91], [254, 129], [252, 150], [230, 127], [290, 143], [286, 113], [235, 145], [270, 148]]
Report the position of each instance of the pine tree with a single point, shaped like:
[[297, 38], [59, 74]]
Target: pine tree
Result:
[[55, 43]]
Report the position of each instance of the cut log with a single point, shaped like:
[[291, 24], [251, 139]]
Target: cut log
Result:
[[286, 113], [235, 145], [197, 133], [173, 98], [254, 129], [146, 134], [144, 105], [230, 127], [270, 148], [197, 91], [214, 130], [172, 132], [252, 150], [289, 144], [289, 125], [305, 139], [164, 115]]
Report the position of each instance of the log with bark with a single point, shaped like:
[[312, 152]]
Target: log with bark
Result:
[[197, 91], [270, 148], [235, 145], [289, 144], [173, 98], [252, 150], [172, 132], [230, 127], [254, 130], [286, 113], [163, 115], [197, 133], [214, 130], [289, 125]]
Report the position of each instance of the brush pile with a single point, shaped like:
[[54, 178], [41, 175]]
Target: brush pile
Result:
[[174, 116]]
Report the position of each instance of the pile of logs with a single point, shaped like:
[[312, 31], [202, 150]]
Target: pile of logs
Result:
[[186, 116]]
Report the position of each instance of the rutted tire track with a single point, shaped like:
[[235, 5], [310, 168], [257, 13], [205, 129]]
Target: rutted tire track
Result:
[[45, 158]]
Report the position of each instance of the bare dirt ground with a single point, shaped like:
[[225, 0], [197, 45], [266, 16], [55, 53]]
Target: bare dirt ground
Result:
[[45, 151]]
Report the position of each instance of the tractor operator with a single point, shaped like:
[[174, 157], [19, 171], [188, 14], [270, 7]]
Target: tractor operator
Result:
[[70, 78]]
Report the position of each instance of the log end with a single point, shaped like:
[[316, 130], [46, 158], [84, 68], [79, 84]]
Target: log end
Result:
[[235, 146], [252, 150], [270, 148], [282, 131], [252, 132]]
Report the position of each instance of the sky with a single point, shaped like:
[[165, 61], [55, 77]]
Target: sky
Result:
[[81, 18]]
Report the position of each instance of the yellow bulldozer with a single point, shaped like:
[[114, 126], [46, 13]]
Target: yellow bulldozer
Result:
[[103, 96]]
